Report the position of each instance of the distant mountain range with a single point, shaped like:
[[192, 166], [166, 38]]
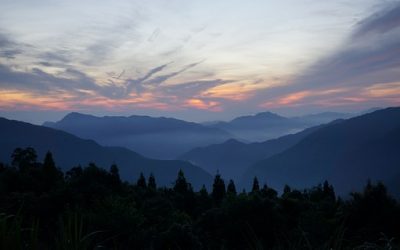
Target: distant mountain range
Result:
[[169, 138], [69, 151], [346, 153], [232, 158], [267, 125], [161, 138]]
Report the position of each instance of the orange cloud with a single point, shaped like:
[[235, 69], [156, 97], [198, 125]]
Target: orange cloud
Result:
[[234, 91], [26, 101], [383, 90], [62, 100], [200, 104], [294, 99]]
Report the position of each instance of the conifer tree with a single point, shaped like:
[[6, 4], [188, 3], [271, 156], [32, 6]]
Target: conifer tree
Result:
[[203, 191], [256, 186], [51, 175], [114, 171], [152, 182], [287, 189], [231, 189], [181, 185], [219, 191], [141, 182], [328, 191], [24, 158]]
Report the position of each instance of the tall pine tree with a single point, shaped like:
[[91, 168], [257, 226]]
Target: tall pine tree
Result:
[[151, 184], [181, 185], [231, 189], [256, 186], [218, 192], [141, 182]]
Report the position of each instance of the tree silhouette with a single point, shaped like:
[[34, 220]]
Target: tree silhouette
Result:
[[182, 218], [181, 185], [114, 171], [231, 189], [141, 182], [152, 182], [286, 190], [24, 158], [74, 173], [218, 192], [256, 186], [328, 191], [203, 191], [51, 174]]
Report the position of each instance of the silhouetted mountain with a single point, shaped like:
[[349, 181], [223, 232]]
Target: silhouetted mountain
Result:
[[346, 153], [321, 118], [267, 125], [163, 138], [232, 157], [69, 150]]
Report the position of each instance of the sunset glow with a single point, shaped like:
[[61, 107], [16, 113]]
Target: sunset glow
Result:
[[198, 60]]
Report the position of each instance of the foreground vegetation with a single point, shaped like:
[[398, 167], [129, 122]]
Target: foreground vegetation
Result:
[[91, 208]]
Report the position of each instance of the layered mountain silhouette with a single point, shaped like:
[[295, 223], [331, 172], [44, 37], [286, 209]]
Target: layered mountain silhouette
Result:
[[345, 153], [232, 158], [161, 138], [267, 125], [69, 151]]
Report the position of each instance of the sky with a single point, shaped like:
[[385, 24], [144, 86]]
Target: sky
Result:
[[197, 60]]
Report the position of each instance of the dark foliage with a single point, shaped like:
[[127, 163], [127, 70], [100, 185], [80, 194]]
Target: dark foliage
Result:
[[91, 208]]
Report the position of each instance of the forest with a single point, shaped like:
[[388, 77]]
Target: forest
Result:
[[88, 207]]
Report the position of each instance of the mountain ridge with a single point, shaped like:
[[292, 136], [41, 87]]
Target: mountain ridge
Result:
[[346, 153], [155, 137], [69, 150]]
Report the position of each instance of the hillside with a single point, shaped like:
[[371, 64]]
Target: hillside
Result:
[[232, 158], [155, 137], [346, 153], [69, 150], [267, 125]]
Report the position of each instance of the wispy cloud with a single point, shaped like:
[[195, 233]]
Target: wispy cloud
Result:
[[151, 55], [370, 55], [379, 23], [72, 88], [9, 48]]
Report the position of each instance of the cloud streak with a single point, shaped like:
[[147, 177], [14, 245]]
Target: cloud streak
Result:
[[369, 56], [8, 48], [137, 58], [72, 88]]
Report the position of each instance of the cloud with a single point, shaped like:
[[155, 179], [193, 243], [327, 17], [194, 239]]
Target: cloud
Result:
[[391, 89], [162, 78], [154, 35], [72, 88], [302, 97], [138, 83], [380, 22], [192, 89], [202, 104], [37, 80], [8, 48], [147, 82], [370, 55]]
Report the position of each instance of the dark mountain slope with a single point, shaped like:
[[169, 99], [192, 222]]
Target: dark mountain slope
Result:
[[69, 151], [345, 153], [266, 125], [163, 138], [232, 157]]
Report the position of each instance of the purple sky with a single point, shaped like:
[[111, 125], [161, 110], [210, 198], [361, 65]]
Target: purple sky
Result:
[[197, 60]]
